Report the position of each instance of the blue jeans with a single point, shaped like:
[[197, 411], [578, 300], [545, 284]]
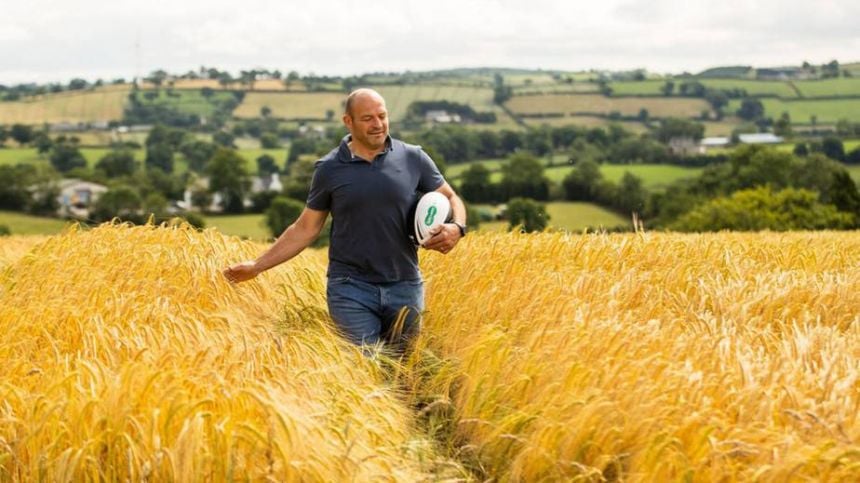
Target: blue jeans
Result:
[[367, 313]]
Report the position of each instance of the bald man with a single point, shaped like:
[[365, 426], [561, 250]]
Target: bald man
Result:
[[369, 184]]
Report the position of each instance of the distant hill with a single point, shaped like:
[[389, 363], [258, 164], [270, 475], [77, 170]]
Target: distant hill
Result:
[[729, 72]]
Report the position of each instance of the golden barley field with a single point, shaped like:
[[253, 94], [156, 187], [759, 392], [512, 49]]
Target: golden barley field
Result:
[[102, 104], [550, 357]]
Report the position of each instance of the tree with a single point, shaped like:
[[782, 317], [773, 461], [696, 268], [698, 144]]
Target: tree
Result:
[[582, 181], [282, 213], [762, 209], [667, 88], [751, 109], [118, 202], [299, 183], [225, 139], [227, 175], [14, 186], [510, 141], [270, 141], [198, 153], [522, 176], [4, 135], [833, 148], [631, 194], [843, 194], [21, 133], [475, 184], [117, 163], [800, 149], [43, 142], [717, 99], [65, 156], [266, 165], [679, 128], [159, 156], [782, 126], [528, 214]]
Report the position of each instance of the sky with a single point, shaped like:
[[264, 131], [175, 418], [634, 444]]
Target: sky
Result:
[[55, 41]]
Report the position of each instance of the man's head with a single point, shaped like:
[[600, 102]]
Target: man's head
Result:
[[366, 118]]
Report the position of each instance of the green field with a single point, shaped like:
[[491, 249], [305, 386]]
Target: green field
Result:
[[855, 173], [246, 226], [570, 216], [12, 156], [801, 111], [829, 87], [598, 104], [637, 88], [654, 177], [102, 104], [753, 87], [185, 101], [21, 224]]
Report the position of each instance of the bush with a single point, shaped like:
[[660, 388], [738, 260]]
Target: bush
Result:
[[762, 209], [528, 214], [5, 231], [282, 213]]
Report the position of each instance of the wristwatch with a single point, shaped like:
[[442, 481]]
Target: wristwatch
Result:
[[462, 228]]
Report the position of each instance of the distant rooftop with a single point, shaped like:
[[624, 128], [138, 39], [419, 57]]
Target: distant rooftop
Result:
[[760, 138]]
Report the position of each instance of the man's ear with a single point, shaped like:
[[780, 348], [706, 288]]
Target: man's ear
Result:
[[347, 121]]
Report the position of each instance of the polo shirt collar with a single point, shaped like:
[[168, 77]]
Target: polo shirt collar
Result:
[[346, 156]]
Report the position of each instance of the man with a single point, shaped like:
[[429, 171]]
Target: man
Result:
[[368, 184]]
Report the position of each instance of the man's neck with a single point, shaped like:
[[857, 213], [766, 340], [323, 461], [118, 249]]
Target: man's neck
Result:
[[363, 152]]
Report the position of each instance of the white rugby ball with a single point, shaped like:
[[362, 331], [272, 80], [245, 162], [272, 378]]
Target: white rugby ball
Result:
[[432, 210]]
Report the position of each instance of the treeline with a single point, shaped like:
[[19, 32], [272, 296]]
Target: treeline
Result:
[[613, 144], [20, 91]]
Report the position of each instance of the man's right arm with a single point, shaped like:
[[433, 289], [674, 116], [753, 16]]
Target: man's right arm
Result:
[[292, 241]]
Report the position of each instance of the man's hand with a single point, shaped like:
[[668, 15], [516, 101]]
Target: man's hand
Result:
[[444, 238], [241, 272]]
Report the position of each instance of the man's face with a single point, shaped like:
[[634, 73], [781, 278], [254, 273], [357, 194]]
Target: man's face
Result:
[[368, 122]]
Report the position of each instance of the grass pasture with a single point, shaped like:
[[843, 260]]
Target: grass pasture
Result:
[[654, 177], [801, 111], [576, 217], [252, 226], [23, 224], [830, 87], [597, 104], [753, 87], [12, 156], [185, 101], [543, 357], [102, 104]]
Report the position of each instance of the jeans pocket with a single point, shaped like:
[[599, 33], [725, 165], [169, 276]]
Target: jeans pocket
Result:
[[338, 280]]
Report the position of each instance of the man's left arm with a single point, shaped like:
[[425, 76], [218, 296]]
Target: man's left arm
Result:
[[448, 234]]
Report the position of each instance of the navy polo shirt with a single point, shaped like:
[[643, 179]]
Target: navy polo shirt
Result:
[[370, 203]]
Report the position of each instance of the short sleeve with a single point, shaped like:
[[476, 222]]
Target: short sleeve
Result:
[[431, 179], [319, 197]]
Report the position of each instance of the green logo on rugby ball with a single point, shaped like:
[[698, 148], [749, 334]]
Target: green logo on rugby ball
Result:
[[431, 214]]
